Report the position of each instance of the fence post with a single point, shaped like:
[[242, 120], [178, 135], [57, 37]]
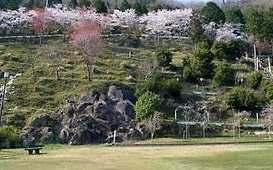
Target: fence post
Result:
[[114, 137]]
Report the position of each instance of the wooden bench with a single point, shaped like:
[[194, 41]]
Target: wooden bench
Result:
[[32, 150]]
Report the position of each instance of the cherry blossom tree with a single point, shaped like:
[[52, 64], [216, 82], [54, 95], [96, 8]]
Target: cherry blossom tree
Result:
[[86, 35], [40, 22], [167, 22], [225, 33], [14, 21], [127, 18]]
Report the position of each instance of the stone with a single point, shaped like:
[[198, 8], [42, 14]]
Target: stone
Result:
[[126, 108], [89, 120], [115, 93], [41, 120], [47, 135]]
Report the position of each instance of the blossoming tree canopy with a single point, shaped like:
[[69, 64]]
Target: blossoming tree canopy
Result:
[[86, 35], [168, 22], [40, 20]]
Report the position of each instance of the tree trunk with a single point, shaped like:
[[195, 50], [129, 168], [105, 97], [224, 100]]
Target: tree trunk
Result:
[[40, 40], [57, 69], [255, 56], [88, 72]]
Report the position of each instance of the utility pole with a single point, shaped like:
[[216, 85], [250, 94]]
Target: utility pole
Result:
[[46, 5], [255, 57], [6, 76]]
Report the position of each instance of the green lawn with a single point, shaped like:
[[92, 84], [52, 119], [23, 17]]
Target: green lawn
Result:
[[216, 157]]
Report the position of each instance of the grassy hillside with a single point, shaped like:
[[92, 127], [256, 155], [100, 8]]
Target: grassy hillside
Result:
[[37, 90]]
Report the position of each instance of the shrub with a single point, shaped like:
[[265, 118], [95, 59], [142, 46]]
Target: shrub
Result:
[[161, 85], [9, 137], [229, 50], [164, 58], [146, 105], [172, 87], [224, 75], [240, 98], [198, 65], [151, 84], [269, 93], [254, 79]]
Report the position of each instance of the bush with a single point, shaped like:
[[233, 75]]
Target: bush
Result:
[[161, 85], [146, 105], [254, 79], [164, 58], [229, 50], [198, 65], [224, 75], [269, 92], [151, 84], [9, 137], [240, 98], [172, 87]]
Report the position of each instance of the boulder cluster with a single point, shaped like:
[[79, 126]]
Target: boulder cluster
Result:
[[91, 119]]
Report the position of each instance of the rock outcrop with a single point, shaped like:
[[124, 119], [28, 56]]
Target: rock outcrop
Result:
[[92, 119]]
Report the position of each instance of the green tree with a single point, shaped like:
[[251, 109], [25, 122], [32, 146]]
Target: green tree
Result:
[[140, 9], [196, 31], [229, 50], [268, 25], [125, 5], [146, 105], [212, 13], [254, 21], [10, 4], [198, 65], [234, 15], [240, 99], [224, 74], [84, 3], [100, 6], [254, 79], [160, 84], [164, 57]]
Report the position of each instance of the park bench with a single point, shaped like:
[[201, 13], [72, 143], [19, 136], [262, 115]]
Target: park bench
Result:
[[34, 149]]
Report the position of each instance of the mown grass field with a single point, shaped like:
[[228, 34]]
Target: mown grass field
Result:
[[213, 157]]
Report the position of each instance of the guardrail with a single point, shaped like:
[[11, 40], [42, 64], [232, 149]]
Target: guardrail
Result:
[[24, 38], [246, 125]]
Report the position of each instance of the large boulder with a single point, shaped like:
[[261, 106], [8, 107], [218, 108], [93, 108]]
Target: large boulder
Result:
[[126, 108], [119, 93], [84, 129], [115, 93], [41, 120], [91, 119], [47, 135]]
